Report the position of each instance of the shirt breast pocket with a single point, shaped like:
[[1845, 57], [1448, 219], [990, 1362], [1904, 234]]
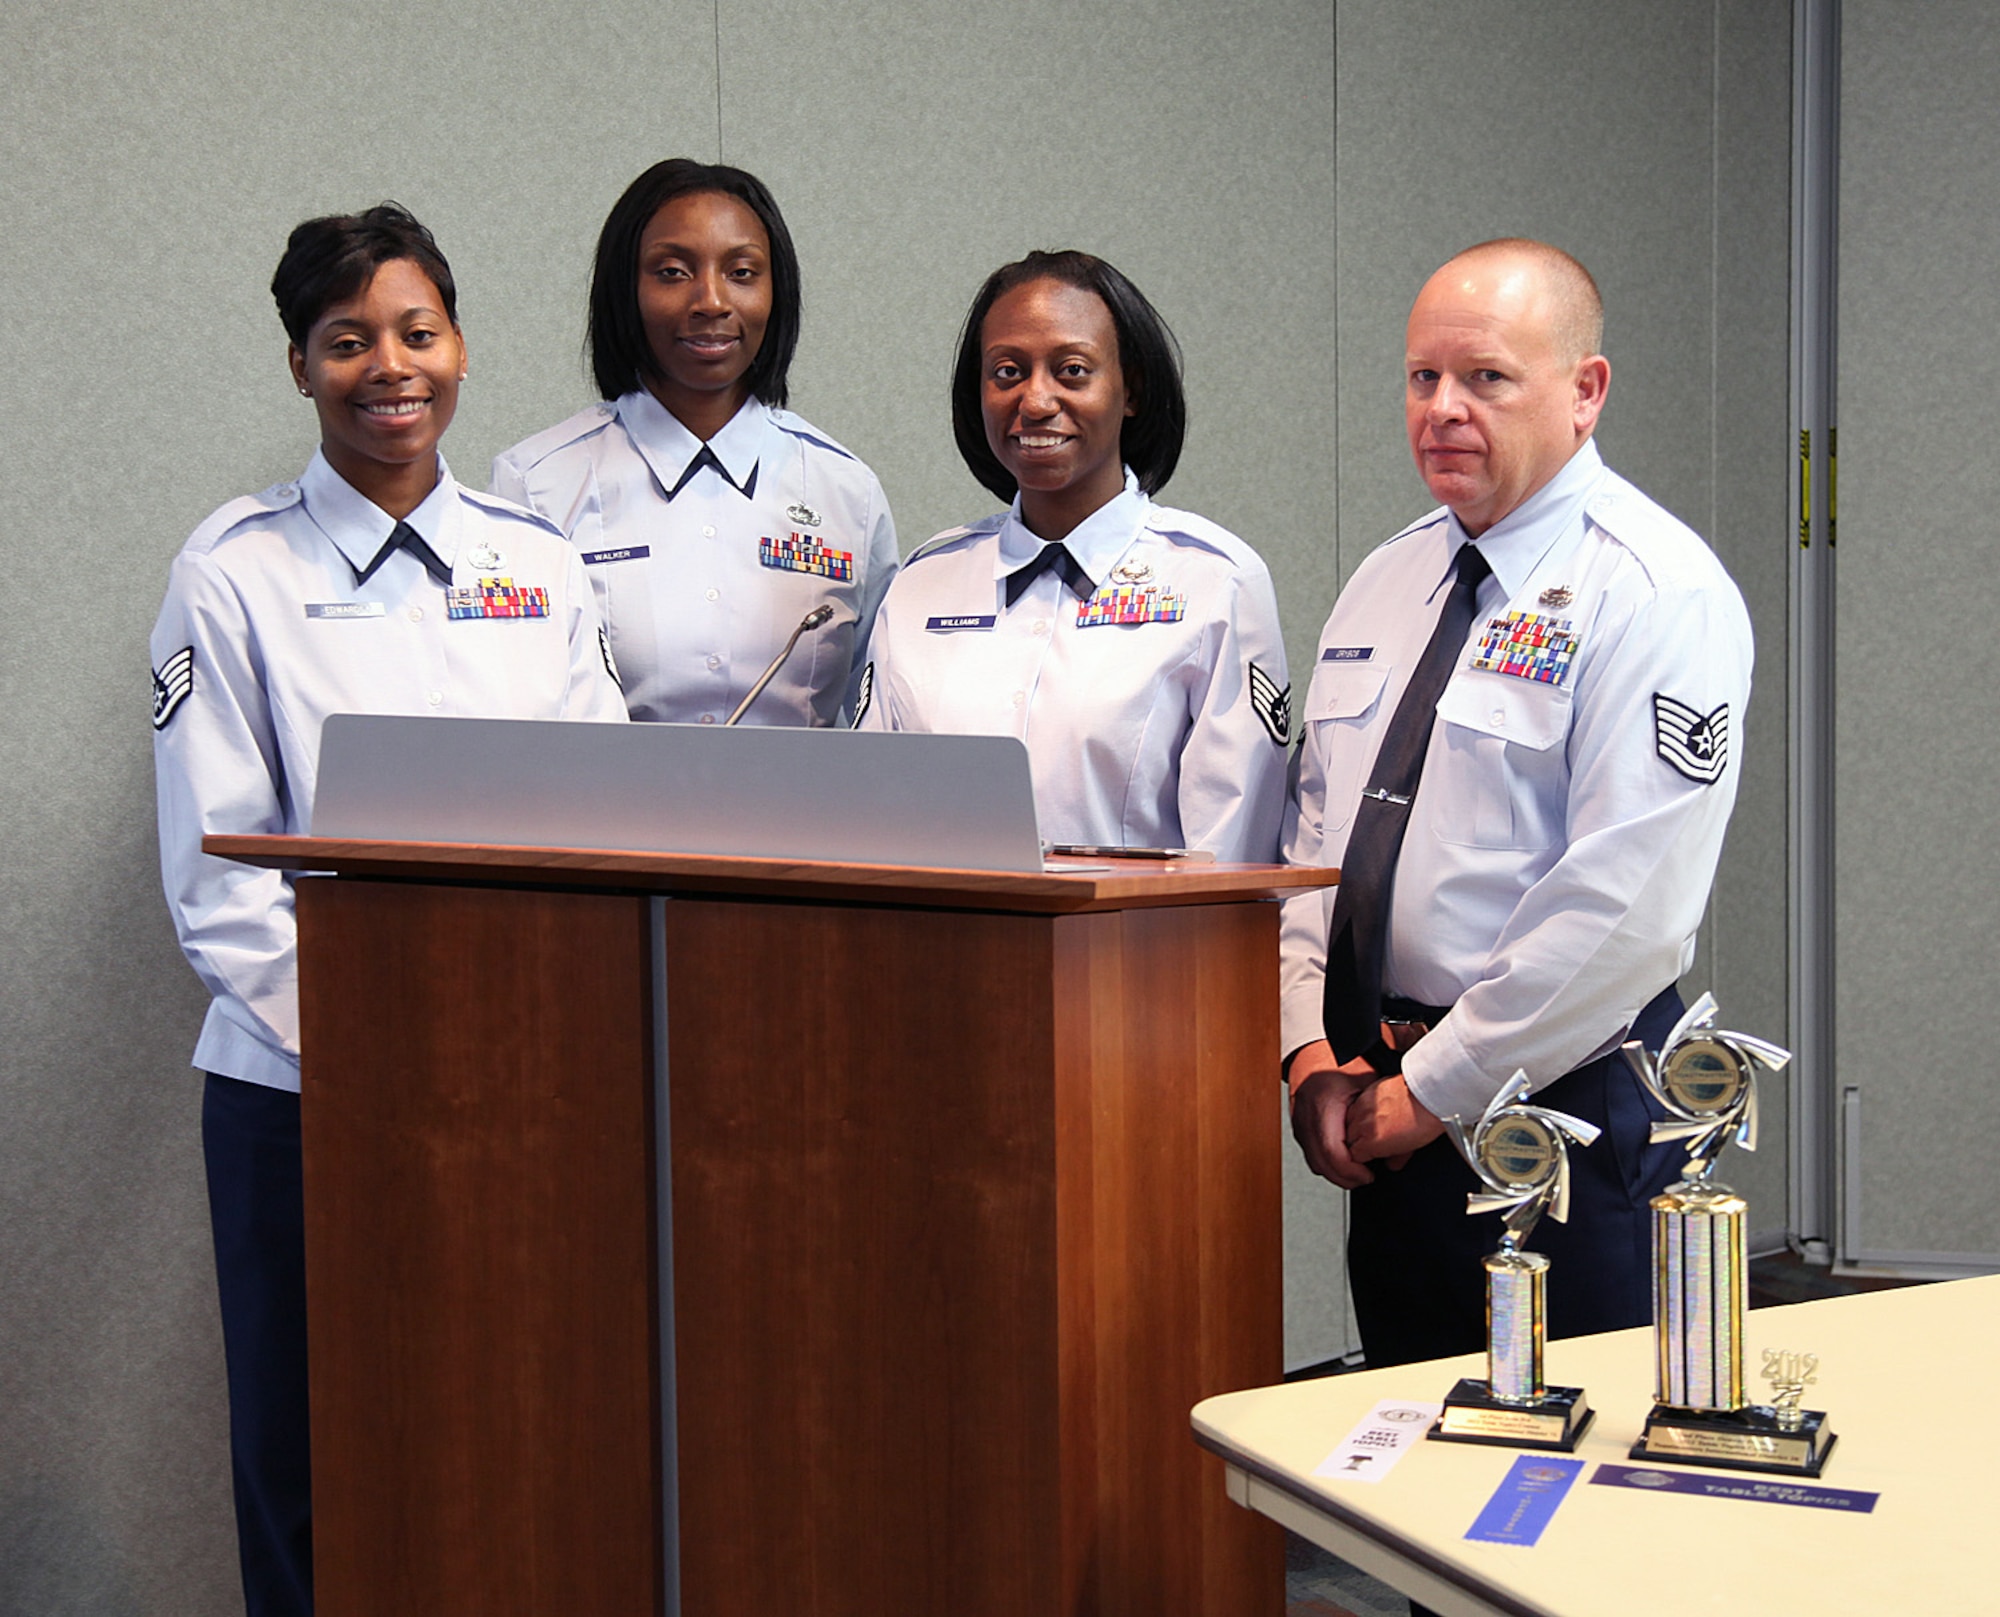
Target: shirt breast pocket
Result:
[[1507, 765], [1341, 708]]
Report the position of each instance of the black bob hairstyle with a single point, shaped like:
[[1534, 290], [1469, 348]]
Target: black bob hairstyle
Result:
[[329, 260], [620, 358], [1147, 354]]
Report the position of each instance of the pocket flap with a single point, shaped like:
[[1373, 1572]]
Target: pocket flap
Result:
[[1344, 690], [1523, 711]]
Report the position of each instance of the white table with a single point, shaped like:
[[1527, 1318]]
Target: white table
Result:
[[1907, 1377]]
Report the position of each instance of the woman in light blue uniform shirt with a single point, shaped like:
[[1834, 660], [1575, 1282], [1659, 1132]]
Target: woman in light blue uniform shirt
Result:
[[1134, 648], [372, 583], [710, 519]]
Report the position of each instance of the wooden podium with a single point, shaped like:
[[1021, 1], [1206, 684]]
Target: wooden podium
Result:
[[966, 1193]]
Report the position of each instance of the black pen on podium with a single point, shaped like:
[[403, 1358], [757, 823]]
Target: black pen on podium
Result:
[[812, 620]]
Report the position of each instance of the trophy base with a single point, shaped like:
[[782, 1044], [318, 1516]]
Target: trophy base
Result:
[[1747, 1439], [1473, 1415]]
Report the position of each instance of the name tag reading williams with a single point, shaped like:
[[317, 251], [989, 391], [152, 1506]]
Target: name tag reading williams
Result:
[[597, 558], [964, 620], [344, 609]]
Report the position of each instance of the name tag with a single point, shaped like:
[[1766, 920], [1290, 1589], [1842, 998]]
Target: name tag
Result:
[[965, 620], [344, 609], [496, 598], [597, 558], [1347, 654]]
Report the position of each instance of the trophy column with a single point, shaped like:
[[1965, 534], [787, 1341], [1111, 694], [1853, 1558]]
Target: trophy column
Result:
[[1702, 1416]]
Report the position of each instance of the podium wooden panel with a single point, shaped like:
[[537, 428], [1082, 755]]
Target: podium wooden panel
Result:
[[973, 1192]]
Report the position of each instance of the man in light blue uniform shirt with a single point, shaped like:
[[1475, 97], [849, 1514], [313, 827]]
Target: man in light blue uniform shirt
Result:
[[1581, 763]]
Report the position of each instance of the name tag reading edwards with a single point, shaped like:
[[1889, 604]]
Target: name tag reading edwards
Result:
[[597, 558], [344, 609], [963, 620]]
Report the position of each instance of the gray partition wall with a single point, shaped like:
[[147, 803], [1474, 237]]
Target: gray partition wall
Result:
[[1278, 176], [1918, 747]]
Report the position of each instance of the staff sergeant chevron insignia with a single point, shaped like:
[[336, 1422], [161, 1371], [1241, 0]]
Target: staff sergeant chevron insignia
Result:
[[173, 682], [1272, 705], [1694, 743]]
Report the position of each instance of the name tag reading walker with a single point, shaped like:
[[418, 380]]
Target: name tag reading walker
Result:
[[964, 620], [496, 598], [597, 558], [344, 609]]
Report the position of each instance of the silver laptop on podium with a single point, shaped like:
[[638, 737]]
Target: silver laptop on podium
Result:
[[949, 802]]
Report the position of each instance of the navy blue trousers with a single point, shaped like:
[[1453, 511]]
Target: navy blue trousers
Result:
[[1413, 1253], [256, 1206]]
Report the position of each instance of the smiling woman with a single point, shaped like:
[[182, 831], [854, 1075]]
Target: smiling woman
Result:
[[372, 584], [711, 520], [1134, 648]]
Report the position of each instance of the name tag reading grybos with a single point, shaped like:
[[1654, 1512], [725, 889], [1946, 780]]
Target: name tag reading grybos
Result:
[[1131, 603], [597, 558], [1347, 654], [1527, 645], [496, 598], [344, 609], [963, 620], [801, 553]]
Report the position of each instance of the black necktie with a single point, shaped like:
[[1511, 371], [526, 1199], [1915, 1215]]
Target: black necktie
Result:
[[407, 538], [707, 457], [1053, 558], [1353, 1006]]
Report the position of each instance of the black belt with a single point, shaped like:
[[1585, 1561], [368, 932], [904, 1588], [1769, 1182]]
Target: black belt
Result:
[[1405, 1014]]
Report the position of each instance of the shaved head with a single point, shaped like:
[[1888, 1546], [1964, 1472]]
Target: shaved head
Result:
[[1576, 308], [1502, 378]]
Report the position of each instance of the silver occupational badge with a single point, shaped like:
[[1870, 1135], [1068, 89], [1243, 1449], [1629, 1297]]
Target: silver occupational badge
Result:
[[1558, 596], [804, 515], [1131, 572], [484, 558]]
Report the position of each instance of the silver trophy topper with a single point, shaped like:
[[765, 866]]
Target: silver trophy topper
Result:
[[1706, 1080]]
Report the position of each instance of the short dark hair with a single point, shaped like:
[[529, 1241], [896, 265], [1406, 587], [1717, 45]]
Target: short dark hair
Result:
[[620, 359], [1147, 354], [328, 260]]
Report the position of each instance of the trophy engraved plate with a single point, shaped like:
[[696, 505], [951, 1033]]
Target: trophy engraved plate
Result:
[[1521, 1155], [1706, 1081]]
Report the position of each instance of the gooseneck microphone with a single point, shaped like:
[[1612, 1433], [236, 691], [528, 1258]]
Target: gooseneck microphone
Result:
[[812, 620]]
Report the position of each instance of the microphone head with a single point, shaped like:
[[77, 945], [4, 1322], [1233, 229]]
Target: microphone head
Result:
[[817, 616]]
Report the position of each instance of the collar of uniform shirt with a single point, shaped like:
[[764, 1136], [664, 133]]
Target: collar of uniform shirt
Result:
[[1096, 542], [359, 527], [666, 446], [1514, 546]]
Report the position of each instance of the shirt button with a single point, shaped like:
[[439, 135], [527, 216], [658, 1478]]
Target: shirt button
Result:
[[1041, 626], [708, 718], [715, 662], [1020, 698], [708, 533], [1499, 718], [416, 614], [715, 595], [435, 698]]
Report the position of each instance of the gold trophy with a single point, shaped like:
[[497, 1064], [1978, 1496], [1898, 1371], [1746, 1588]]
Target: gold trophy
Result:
[[1521, 1154], [1706, 1080]]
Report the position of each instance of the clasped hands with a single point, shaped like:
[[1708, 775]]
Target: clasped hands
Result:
[[1345, 1115]]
